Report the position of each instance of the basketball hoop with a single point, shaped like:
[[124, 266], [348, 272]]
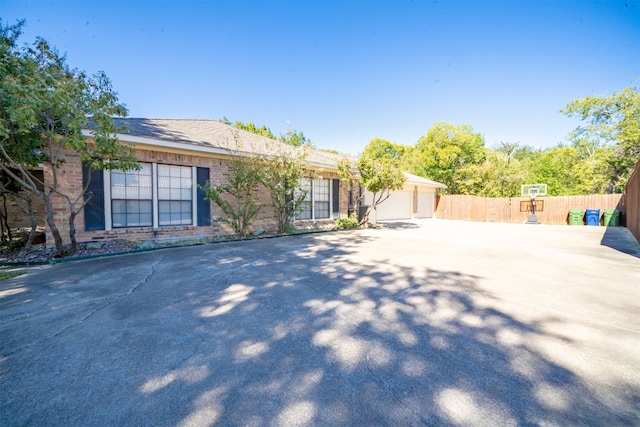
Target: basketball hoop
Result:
[[533, 191]]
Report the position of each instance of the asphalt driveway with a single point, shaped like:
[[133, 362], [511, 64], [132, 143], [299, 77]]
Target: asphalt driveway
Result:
[[421, 323]]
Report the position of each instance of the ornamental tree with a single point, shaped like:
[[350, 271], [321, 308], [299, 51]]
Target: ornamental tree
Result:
[[44, 106], [237, 195], [281, 175], [377, 173]]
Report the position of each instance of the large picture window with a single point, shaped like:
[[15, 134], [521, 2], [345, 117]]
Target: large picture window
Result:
[[175, 195], [132, 197], [316, 202]]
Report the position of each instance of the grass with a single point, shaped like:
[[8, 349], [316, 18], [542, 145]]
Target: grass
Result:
[[5, 275]]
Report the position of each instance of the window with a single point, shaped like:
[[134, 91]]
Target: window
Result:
[[174, 195], [305, 206], [131, 197], [316, 203], [320, 198]]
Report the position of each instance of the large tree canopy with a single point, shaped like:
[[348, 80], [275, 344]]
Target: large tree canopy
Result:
[[445, 150], [44, 105], [610, 120]]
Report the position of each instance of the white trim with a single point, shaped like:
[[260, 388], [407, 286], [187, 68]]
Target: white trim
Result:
[[194, 196], [154, 196], [106, 174]]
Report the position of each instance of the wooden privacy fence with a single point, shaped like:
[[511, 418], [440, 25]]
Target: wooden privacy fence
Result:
[[555, 211], [633, 202]]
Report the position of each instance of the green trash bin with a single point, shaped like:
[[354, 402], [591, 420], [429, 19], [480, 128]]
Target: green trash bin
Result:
[[611, 218], [575, 216]]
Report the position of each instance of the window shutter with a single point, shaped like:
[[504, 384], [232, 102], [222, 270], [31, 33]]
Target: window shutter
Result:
[[203, 205], [94, 198], [335, 195]]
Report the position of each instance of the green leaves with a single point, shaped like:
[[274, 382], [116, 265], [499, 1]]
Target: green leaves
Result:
[[378, 170], [281, 174], [295, 138], [445, 149], [44, 106], [236, 197], [611, 122]]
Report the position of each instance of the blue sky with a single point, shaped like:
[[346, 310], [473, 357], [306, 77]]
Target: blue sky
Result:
[[346, 72]]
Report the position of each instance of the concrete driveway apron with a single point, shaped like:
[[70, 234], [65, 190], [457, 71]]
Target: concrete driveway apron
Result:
[[419, 323]]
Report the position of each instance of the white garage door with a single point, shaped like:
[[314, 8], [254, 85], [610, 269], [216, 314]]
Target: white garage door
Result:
[[398, 206], [426, 202]]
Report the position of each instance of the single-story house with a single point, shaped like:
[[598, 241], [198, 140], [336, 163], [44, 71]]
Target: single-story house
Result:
[[163, 200], [417, 199]]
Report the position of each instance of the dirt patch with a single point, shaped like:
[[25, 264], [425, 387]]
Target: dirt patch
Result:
[[40, 254]]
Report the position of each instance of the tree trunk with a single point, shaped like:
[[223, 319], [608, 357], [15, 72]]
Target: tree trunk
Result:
[[4, 221], [52, 223], [72, 231], [32, 232]]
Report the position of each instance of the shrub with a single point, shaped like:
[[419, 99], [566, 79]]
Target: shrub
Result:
[[347, 223]]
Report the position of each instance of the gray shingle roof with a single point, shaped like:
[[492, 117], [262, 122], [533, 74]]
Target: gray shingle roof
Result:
[[208, 133], [214, 134]]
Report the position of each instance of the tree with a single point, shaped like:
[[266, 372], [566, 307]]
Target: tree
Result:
[[281, 174], [382, 149], [500, 175], [9, 190], [44, 106], [237, 196], [563, 169], [444, 150], [377, 170], [295, 138], [250, 127], [614, 120], [291, 136]]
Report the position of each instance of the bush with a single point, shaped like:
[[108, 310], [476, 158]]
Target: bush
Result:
[[347, 223]]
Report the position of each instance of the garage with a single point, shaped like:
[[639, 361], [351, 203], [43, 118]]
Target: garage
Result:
[[426, 204], [402, 204], [399, 205]]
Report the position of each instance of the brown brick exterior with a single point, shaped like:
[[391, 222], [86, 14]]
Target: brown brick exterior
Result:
[[70, 178], [16, 217]]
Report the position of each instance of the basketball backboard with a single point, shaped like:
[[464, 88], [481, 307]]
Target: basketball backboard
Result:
[[533, 190], [527, 206]]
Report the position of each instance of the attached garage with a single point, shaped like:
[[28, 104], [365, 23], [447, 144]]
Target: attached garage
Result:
[[415, 200], [399, 205], [426, 204]]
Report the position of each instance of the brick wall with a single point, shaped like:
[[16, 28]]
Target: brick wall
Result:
[[16, 217], [70, 178]]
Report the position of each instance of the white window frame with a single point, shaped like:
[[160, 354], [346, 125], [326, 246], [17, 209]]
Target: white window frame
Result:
[[311, 200], [179, 190], [155, 199], [126, 199]]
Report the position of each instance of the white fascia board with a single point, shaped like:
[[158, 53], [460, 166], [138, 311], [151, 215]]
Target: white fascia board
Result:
[[322, 166]]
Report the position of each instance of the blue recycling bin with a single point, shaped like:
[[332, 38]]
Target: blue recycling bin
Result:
[[592, 217]]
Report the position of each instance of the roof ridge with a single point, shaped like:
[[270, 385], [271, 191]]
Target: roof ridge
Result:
[[165, 118]]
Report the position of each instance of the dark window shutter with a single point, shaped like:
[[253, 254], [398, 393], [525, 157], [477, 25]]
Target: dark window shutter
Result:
[[336, 195], [94, 198], [203, 205]]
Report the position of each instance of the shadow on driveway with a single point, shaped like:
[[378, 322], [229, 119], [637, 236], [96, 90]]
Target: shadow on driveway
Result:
[[621, 239], [292, 331]]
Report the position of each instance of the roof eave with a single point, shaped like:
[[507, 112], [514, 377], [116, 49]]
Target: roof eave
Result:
[[153, 142]]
